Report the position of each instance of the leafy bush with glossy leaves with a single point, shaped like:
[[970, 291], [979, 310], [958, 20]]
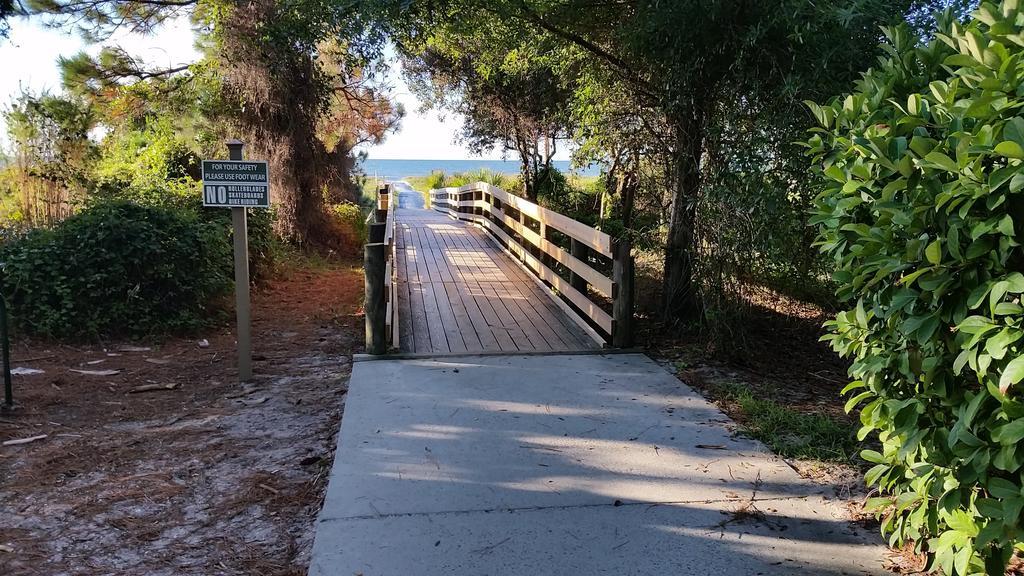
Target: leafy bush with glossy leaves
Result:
[[118, 269], [923, 213]]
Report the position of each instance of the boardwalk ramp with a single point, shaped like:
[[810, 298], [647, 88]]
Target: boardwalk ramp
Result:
[[459, 292], [502, 437]]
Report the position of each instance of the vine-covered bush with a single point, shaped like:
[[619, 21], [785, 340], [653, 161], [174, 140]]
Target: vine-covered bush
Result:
[[349, 224], [156, 166], [264, 244], [117, 269], [923, 213]]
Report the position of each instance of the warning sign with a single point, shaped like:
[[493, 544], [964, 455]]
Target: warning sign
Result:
[[236, 184]]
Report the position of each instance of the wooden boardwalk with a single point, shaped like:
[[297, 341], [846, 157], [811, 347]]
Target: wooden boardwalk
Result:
[[459, 292]]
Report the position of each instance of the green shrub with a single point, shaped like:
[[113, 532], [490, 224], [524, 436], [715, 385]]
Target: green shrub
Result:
[[923, 214], [11, 214], [551, 183], [153, 166], [118, 269], [264, 243], [183, 195], [578, 198], [351, 225], [367, 191], [504, 181], [436, 179]]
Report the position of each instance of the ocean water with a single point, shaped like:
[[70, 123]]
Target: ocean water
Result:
[[398, 169]]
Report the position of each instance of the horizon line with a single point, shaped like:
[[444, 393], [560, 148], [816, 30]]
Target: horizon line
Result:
[[510, 160], [450, 159]]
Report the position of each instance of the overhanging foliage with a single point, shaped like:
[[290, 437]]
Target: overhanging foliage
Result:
[[923, 214]]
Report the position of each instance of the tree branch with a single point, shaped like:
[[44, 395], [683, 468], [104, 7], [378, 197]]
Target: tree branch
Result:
[[620, 65], [60, 9]]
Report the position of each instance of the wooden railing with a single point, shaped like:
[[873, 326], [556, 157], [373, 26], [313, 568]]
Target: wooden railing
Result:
[[381, 305], [588, 270]]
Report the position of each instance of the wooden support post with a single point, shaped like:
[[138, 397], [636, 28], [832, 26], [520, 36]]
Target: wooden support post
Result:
[[582, 253], [240, 226], [545, 258], [383, 202], [622, 305], [374, 259], [377, 230], [519, 237]]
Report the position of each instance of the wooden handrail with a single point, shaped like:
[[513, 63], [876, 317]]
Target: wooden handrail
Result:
[[527, 235], [381, 304], [392, 273]]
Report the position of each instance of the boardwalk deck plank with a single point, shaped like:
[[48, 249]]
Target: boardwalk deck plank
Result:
[[460, 292], [478, 335], [502, 335], [566, 327], [438, 274], [512, 297], [525, 337], [419, 319], [405, 329]]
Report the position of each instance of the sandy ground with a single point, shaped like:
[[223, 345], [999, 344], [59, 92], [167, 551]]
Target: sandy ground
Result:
[[205, 476]]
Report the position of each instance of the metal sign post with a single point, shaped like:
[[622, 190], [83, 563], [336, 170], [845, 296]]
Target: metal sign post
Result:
[[5, 347], [5, 355], [238, 184]]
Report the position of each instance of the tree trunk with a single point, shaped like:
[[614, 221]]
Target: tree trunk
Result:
[[522, 145], [627, 193], [529, 189], [283, 94], [680, 297]]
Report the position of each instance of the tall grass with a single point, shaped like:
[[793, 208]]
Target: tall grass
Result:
[[440, 179]]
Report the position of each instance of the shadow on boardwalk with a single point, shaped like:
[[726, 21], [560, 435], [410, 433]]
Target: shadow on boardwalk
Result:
[[458, 292]]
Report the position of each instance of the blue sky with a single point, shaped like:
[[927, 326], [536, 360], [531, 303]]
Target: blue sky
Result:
[[30, 55]]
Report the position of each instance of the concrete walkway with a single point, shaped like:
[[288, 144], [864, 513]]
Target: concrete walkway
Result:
[[576, 464]]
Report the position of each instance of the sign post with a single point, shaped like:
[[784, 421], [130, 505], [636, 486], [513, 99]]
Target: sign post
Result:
[[238, 184], [5, 355]]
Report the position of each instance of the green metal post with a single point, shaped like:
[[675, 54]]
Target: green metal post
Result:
[[5, 352]]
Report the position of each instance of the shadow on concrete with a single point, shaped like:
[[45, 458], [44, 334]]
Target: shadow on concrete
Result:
[[563, 465]]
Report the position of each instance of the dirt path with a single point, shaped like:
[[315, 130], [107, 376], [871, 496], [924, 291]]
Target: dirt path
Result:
[[208, 477]]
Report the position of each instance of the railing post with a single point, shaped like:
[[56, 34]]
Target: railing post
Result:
[[383, 202], [374, 258], [376, 233], [520, 238], [545, 258], [581, 252], [622, 304]]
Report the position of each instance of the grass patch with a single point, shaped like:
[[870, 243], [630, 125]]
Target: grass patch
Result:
[[580, 182], [789, 433], [440, 179]]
